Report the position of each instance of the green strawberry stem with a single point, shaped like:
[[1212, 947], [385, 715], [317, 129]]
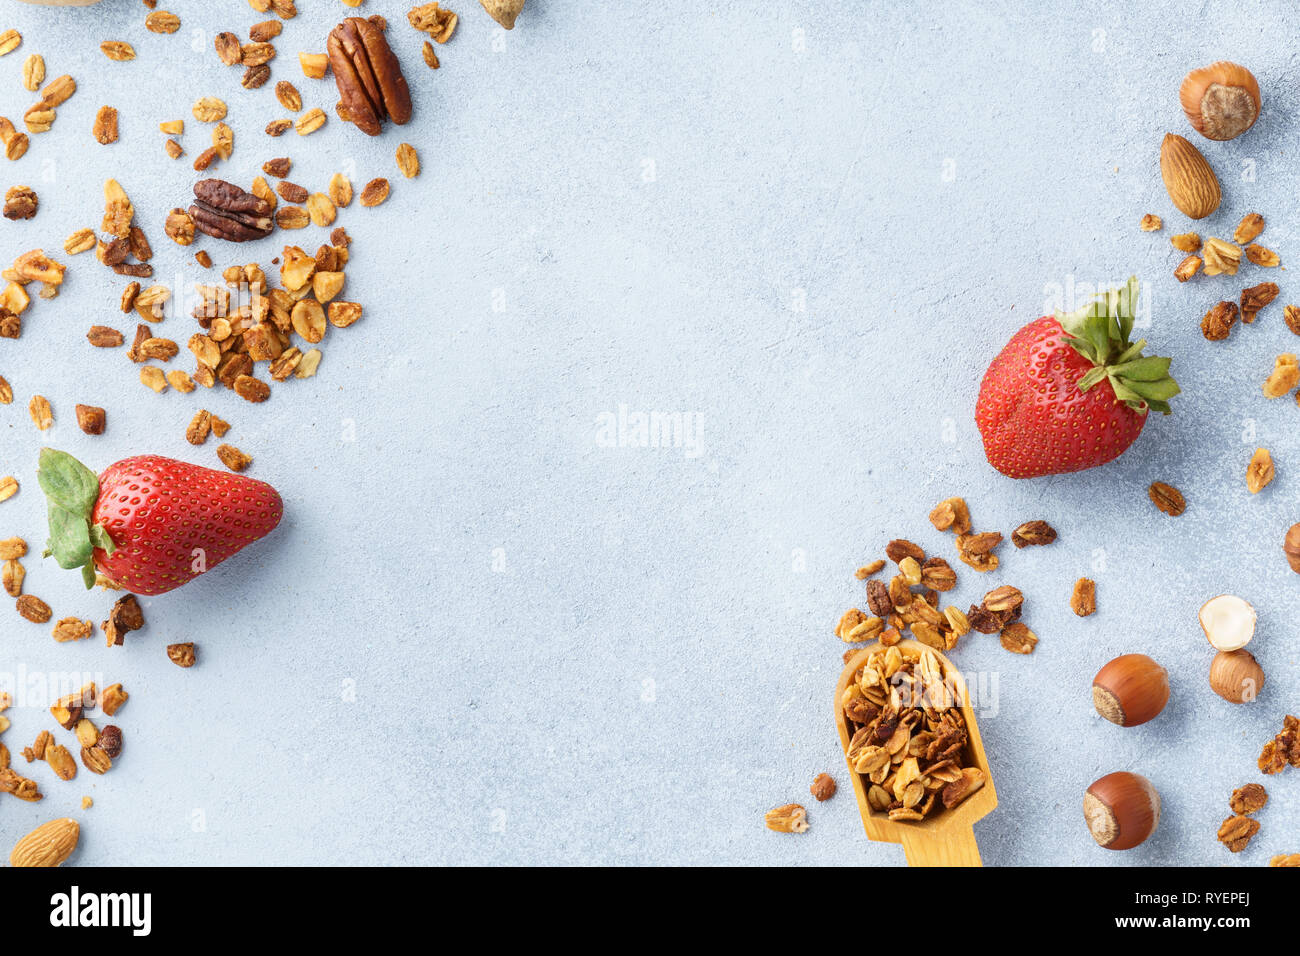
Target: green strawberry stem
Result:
[[1100, 333], [71, 490]]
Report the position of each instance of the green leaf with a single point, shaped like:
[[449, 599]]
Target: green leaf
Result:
[[1091, 377], [88, 574], [100, 538], [1143, 370], [1154, 391], [67, 482], [1161, 407], [69, 538], [1126, 394]]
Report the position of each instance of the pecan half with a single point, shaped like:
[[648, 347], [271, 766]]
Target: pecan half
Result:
[[224, 211], [369, 78]]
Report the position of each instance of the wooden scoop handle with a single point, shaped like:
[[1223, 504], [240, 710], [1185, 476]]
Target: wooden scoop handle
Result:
[[955, 847]]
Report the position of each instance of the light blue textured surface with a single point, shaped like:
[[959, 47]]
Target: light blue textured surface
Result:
[[807, 226]]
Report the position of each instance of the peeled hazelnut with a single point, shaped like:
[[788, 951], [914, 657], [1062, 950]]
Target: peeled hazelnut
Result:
[[1236, 676], [1228, 622], [1291, 545], [1130, 690], [1221, 100], [1122, 809]]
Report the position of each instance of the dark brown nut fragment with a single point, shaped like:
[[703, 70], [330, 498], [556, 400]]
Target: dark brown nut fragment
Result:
[[292, 192], [205, 159], [1255, 298], [101, 336], [1218, 321], [11, 325], [878, 598], [1083, 601], [182, 655], [900, 548], [34, 609], [278, 167], [141, 270], [278, 127], [823, 787], [228, 50], [938, 574], [114, 252], [224, 211], [110, 741], [21, 202], [1018, 638], [983, 620], [1236, 832], [1033, 532], [139, 243], [127, 614], [257, 54], [232, 457], [369, 78], [255, 77], [91, 419], [1167, 498], [1248, 799]]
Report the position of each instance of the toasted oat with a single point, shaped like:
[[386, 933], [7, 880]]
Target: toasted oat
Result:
[[172, 127], [228, 49], [33, 72], [251, 389], [11, 548], [223, 140], [1083, 600], [12, 577], [278, 127], [430, 55], [868, 570], [10, 40], [1186, 242], [375, 192], [34, 609], [8, 487], [199, 427], [1187, 268], [408, 160], [40, 411], [340, 190], [1151, 223], [288, 96], [1285, 859], [1221, 257], [309, 122], [153, 377], [1033, 533], [1018, 638], [6, 391], [105, 126], [118, 50], [161, 21], [1255, 298], [1261, 256], [266, 30], [80, 241], [1251, 225], [209, 109], [1284, 377], [1218, 322]]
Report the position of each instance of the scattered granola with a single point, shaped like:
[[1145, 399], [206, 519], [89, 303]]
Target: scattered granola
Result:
[[1151, 223], [1218, 322], [1260, 471], [21, 202], [1282, 749], [91, 419], [1248, 799], [182, 655], [1284, 377], [1033, 533], [1167, 498], [1221, 257], [1255, 298], [1083, 600], [790, 818]]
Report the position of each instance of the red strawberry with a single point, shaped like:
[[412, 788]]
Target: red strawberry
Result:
[[1070, 392], [150, 524]]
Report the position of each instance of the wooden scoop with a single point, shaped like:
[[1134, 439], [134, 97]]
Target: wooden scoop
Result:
[[946, 837]]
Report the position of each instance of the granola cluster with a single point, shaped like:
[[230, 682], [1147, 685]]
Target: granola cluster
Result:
[[908, 739], [1219, 257], [1283, 749]]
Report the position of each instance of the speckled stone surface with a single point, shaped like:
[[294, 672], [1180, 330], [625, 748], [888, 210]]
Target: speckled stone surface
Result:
[[495, 629]]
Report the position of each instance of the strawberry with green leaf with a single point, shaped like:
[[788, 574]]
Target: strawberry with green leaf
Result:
[[1071, 392], [150, 524]]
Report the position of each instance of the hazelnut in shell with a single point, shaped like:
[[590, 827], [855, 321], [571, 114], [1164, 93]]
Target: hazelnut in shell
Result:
[[1236, 676], [1122, 809], [1130, 690], [1228, 622], [1221, 100]]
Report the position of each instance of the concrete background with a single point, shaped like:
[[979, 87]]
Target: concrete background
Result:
[[484, 635]]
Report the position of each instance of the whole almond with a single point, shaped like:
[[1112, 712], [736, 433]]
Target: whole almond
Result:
[[1189, 180], [50, 844]]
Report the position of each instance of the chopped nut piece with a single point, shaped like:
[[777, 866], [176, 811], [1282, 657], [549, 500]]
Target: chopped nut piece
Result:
[[1261, 256], [182, 655], [1033, 533], [91, 419], [1218, 321], [309, 364], [1187, 268], [113, 698], [1083, 600], [313, 65], [1151, 223], [951, 514], [430, 55], [233, 458], [1260, 471], [343, 314], [21, 202], [199, 427], [1236, 832], [1186, 242], [1255, 298], [1221, 257], [1284, 377], [1167, 498], [868, 570], [1248, 799], [110, 741], [823, 787], [790, 818]]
